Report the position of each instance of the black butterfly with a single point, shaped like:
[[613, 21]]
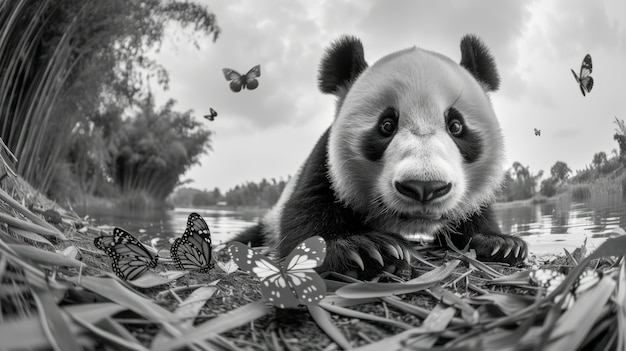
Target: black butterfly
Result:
[[537, 132], [130, 257], [585, 81], [212, 114], [238, 81], [192, 251]]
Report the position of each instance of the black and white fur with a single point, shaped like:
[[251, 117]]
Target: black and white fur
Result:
[[415, 148]]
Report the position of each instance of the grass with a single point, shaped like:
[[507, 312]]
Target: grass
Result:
[[461, 304]]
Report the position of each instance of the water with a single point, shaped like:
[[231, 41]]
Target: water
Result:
[[548, 227], [166, 224]]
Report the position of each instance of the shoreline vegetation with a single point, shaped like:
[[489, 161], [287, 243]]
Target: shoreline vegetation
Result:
[[452, 301]]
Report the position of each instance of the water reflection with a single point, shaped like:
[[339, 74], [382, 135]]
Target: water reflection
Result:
[[167, 224], [547, 227], [561, 221]]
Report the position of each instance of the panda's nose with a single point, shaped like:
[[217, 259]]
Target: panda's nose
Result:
[[423, 191]]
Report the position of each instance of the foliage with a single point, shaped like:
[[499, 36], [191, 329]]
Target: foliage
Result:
[[519, 183], [62, 58], [560, 171], [263, 194], [548, 187], [599, 159], [581, 192], [155, 148]]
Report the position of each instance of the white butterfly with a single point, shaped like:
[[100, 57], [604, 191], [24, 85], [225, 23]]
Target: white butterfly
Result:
[[585, 81]]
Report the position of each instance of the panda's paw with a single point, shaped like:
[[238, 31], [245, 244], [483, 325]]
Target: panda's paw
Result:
[[364, 256], [499, 248]]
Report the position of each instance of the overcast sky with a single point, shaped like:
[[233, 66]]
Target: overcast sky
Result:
[[268, 132]]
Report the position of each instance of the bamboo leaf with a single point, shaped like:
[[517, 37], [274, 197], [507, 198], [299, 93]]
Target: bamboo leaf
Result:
[[28, 235], [18, 223], [53, 324], [220, 324], [45, 257], [366, 316], [576, 322], [151, 279], [322, 318]]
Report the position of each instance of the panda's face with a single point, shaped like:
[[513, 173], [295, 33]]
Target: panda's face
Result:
[[415, 144]]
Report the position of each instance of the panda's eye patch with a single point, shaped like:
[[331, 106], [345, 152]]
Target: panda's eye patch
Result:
[[454, 119], [388, 122]]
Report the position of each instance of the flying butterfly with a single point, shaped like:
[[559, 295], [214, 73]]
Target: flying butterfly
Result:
[[130, 257], [192, 251], [212, 114], [239, 82], [550, 279], [537, 132], [584, 79], [291, 285]]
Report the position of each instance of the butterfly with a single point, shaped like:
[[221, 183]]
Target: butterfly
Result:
[[212, 114], [550, 279], [537, 132], [130, 257], [585, 81], [238, 81], [192, 251], [296, 283]]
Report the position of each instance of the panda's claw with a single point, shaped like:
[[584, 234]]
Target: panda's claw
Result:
[[495, 250], [376, 256], [407, 256], [400, 252], [507, 252], [517, 250], [393, 251], [357, 259]]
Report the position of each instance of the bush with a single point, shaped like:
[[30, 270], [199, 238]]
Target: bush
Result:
[[548, 187], [581, 192]]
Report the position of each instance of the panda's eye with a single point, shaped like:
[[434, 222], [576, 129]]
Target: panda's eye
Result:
[[387, 126], [455, 127]]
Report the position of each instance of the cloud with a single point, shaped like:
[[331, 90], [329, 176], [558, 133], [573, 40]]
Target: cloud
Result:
[[270, 130]]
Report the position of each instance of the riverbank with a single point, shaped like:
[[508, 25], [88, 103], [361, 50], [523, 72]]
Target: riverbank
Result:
[[453, 301]]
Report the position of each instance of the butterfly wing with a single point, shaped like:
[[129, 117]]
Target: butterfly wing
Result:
[[274, 286], [584, 78], [249, 78], [192, 251], [212, 114], [130, 257], [308, 286], [236, 79]]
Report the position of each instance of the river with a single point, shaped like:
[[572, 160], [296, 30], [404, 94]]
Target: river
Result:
[[547, 227]]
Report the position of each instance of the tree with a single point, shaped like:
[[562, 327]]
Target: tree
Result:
[[599, 159], [560, 171], [61, 58]]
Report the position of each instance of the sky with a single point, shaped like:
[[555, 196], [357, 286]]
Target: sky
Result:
[[268, 132]]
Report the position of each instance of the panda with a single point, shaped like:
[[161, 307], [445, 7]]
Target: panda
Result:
[[414, 149]]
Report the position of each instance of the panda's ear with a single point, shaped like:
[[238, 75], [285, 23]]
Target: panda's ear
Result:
[[475, 57], [341, 65]]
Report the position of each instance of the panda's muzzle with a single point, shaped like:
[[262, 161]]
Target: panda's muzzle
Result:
[[423, 191]]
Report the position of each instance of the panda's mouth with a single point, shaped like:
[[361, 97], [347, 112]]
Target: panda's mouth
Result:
[[424, 216]]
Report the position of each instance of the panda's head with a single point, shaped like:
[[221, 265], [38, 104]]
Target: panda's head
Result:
[[415, 144]]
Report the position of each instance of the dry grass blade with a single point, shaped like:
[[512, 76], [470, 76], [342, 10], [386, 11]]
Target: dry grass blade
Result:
[[112, 338], [18, 223], [322, 318], [53, 324], [396, 342], [28, 214], [356, 314], [189, 309], [620, 301], [30, 236], [364, 290], [241, 316], [118, 293], [45, 257], [436, 275], [437, 321]]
